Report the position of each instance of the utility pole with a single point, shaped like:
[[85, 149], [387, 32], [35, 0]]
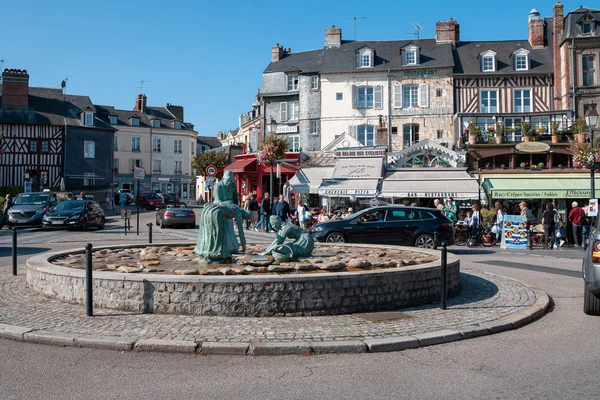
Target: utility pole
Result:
[[355, 18]]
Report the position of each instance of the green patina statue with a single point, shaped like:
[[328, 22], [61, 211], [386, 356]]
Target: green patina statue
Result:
[[302, 247], [216, 236]]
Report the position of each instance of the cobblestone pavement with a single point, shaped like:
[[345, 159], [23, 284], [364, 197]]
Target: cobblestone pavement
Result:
[[484, 298]]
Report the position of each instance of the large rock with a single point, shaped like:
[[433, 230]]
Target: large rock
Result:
[[359, 263], [186, 272], [128, 270], [254, 263], [305, 267], [332, 266], [281, 268]]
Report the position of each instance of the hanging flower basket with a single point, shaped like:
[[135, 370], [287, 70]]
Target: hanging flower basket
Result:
[[584, 156]]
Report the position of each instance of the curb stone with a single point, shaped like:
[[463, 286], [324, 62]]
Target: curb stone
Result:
[[438, 337], [166, 345], [339, 346], [473, 331], [105, 342], [13, 332], [224, 348], [50, 337], [392, 344], [278, 349]]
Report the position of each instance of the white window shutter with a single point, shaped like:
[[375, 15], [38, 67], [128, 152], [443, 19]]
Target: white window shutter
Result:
[[397, 96], [282, 112], [378, 98], [296, 110], [423, 95], [354, 97], [352, 131], [357, 59]]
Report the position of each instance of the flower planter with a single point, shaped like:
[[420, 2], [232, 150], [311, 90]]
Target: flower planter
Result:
[[499, 139], [555, 139], [527, 139], [473, 139], [581, 137]]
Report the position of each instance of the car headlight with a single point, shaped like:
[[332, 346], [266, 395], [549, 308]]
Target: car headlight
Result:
[[46, 218], [75, 217], [317, 229]]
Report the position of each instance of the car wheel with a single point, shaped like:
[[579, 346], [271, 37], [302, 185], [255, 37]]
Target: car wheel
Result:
[[192, 226], [335, 237], [424, 241], [102, 222], [44, 228], [591, 303], [162, 225], [157, 222], [83, 225]]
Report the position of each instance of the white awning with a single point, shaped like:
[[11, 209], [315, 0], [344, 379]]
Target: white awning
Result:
[[349, 187], [433, 183], [308, 180]]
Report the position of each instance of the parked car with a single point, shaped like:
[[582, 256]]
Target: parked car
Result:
[[170, 198], [175, 214], [391, 225], [591, 273], [150, 201], [29, 209], [74, 214], [128, 196]]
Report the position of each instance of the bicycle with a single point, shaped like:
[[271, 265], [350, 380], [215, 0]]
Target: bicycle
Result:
[[485, 235]]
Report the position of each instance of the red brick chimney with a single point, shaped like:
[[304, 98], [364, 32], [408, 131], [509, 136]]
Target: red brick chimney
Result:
[[536, 29], [558, 26], [140, 103], [15, 88], [382, 133], [333, 37], [447, 31]]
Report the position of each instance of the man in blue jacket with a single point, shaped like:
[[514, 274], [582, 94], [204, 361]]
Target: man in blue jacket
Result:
[[265, 212], [282, 209]]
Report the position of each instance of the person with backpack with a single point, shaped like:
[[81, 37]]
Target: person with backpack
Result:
[[549, 226]]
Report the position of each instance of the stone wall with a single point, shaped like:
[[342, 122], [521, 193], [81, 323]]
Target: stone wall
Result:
[[255, 295]]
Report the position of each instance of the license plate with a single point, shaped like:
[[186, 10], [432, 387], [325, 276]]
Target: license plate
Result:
[[180, 214], [57, 222]]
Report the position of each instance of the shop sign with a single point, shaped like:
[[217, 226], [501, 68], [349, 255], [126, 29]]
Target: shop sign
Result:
[[347, 192], [286, 129], [360, 153], [533, 147], [428, 194], [593, 208], [541, 194], [139, 173], [175, 180], [427, 72], [514, 232]]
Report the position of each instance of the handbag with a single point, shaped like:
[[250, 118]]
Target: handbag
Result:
[[558, 234]]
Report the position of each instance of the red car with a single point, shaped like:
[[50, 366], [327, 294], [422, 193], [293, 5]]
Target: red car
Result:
[[150, 201]]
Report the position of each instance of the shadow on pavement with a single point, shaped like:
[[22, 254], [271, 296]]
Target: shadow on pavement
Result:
[[470, 251], [22, 251]]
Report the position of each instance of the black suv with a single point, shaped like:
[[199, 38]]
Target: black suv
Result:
[[392, 225], [591, 273], [29, 209]]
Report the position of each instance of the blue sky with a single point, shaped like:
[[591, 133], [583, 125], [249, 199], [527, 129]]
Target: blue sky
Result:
[[208, 56]]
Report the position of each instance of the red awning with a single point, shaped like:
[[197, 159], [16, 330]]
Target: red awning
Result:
[[241, 166]]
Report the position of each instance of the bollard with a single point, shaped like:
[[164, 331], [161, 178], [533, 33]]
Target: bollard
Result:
[[149, 225], [435, 240], [14, 251], [444, 272], [529, 246], [89, 299]]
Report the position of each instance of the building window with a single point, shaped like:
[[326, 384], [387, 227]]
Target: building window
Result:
[[178, 146], [44, 178], [116, 143], [363, 59], [541, 122], [156, 145], [156, 123], [293, 143], [339, 96], [410, 134], [587, 65], [365, 97], [177, 125], [314, 82], [156, 166], [366, 135], [439, 92], [521, 63], [409, 57], [522, 100], [178, 165], [88, 118], [135, 144], [89, 149], [116, 165], [288, 111], [487, 63], [394, 130], [587, 28], [45, 146], [292, 82], [135, 121], [489, 101], [313, 127], [113, 120], [440, 134], [410, 95]]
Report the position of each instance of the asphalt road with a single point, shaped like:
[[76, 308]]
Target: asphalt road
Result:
[[555, 357]]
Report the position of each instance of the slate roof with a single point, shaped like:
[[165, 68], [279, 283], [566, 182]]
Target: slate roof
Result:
[[319, 159], [124, 116], [388, 55], [572, 29], [210, 141]]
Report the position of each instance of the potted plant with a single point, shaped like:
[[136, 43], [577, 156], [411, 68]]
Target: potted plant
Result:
[[474, 131], [526, 131], [541, 165], [579, 129], [523, 165], [554, 131], [502, 166], [499, 132]]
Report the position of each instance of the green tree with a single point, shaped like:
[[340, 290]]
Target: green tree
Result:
[[219, 159]]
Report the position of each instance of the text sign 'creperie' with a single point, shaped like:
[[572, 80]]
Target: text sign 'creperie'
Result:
[[541, 194]]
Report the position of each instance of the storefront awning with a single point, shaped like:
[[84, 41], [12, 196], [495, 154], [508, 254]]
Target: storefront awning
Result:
[[349, 187], [241, 166], [513, 187], [308, 180], [434, 183]]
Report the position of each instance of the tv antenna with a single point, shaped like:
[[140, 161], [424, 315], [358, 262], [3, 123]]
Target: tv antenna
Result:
[[2, 61], [355, 18], [63, 85], [417, 31], [142, 85]]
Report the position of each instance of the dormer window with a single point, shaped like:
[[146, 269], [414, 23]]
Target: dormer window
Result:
[[521, 59], [410, 55], [364, 58], [292, 82], [135, 121], [88, 118], [177, 124], [587, 28], [156, 123], [113, 120], [488, 61]]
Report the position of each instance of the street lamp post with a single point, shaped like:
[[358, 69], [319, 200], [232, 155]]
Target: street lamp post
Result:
[[271, 128], [591, 119]]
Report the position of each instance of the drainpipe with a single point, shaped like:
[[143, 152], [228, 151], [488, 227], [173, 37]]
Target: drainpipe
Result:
[[573, 77], [389, 133], [550, 96]]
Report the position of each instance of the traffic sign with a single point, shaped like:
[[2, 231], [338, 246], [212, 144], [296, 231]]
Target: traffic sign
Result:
[[211, 170], [373, 202], [210, 182], [139, 173], [593, 208]]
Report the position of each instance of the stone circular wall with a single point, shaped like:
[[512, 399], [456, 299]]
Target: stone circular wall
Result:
[[247, 295]]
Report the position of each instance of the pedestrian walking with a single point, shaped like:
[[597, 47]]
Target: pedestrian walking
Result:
[[451, 210], [253, 207], [575, 219], [265, 213], [122, 200], [8, 203], [499, 217], [549, 226], [527, 214], [282, 209], [437, 204], [475, 220], [301, 215]]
